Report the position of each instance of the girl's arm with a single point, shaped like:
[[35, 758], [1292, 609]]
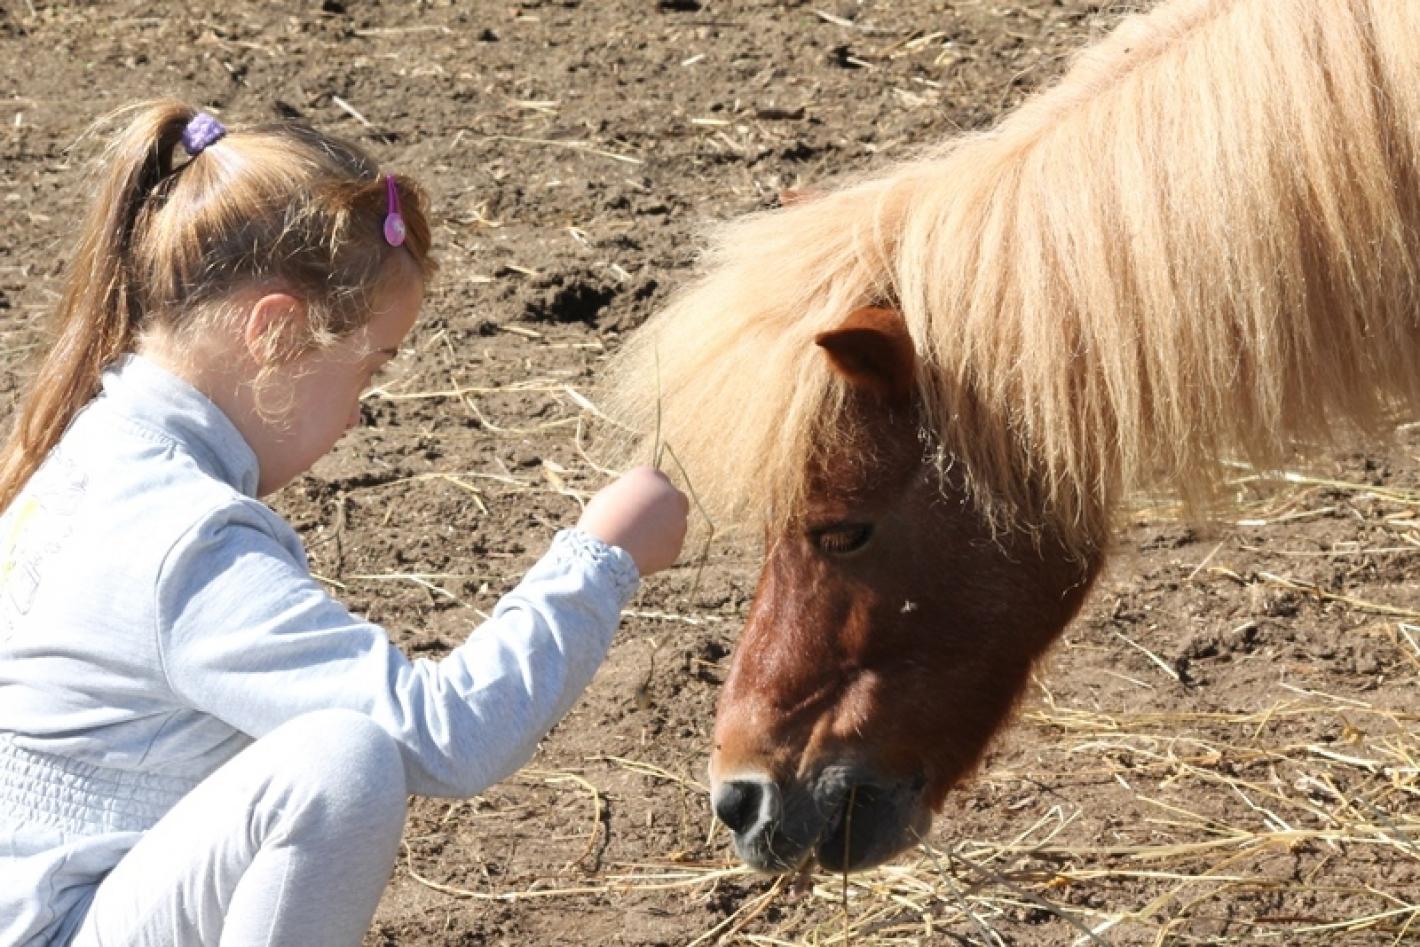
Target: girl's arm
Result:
[[247, 635]]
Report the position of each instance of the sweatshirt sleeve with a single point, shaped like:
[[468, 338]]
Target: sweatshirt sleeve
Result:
[[248, 636]]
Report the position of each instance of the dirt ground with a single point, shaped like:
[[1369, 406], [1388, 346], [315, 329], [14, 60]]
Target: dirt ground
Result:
[[1224, 747]]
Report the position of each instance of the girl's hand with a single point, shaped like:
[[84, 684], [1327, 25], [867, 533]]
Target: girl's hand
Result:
[[643, 513]]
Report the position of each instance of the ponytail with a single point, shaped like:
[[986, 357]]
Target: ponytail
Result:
[[100, 307]]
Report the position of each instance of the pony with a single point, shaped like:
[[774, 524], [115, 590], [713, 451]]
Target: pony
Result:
[[932, 387]]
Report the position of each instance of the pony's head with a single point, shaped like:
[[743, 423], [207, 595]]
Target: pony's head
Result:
[[892, 629], [906, 589]]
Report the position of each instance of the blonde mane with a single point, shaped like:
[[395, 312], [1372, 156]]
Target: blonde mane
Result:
[[1201, 244]]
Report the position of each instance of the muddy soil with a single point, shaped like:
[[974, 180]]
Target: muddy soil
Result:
[[1223, 747]]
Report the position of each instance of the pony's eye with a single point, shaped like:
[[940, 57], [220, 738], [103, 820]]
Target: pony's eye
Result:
[[843, 538]]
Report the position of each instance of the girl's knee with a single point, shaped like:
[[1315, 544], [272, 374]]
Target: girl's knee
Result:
[[348, 761]]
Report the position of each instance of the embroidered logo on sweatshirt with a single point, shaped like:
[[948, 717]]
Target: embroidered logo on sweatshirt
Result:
[[34, 528]]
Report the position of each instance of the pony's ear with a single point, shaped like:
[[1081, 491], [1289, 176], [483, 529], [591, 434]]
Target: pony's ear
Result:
[[873, 350]]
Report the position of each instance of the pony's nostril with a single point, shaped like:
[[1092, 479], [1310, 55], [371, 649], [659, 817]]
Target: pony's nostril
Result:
[[737, 804]]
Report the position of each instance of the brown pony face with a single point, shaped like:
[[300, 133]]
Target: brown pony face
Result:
[[889, 638]]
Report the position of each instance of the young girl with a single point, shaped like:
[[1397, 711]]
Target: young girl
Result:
[[197, 744]]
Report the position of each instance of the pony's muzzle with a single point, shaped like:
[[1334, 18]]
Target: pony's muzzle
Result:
[[844, 823]]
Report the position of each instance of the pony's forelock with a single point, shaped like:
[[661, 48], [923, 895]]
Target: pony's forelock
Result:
[[728, 378], [1200, 245]]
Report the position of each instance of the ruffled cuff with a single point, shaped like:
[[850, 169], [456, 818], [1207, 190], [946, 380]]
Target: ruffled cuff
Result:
[[574, 545]]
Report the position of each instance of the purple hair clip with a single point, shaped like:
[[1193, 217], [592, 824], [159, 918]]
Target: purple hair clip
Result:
[[394, 220], [201, 131]]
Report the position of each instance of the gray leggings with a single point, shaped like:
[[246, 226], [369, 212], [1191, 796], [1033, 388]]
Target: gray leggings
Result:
[[290, 843]]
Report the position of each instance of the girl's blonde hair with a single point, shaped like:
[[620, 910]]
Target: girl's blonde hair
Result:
[[167, 241]]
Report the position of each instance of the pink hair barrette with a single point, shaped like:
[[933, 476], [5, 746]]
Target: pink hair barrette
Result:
[[394, 221]]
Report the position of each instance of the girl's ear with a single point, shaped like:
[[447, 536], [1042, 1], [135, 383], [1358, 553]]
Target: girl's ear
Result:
[[273, 324]]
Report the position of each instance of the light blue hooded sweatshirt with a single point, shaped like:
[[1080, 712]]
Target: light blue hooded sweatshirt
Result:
[[156, 618]]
